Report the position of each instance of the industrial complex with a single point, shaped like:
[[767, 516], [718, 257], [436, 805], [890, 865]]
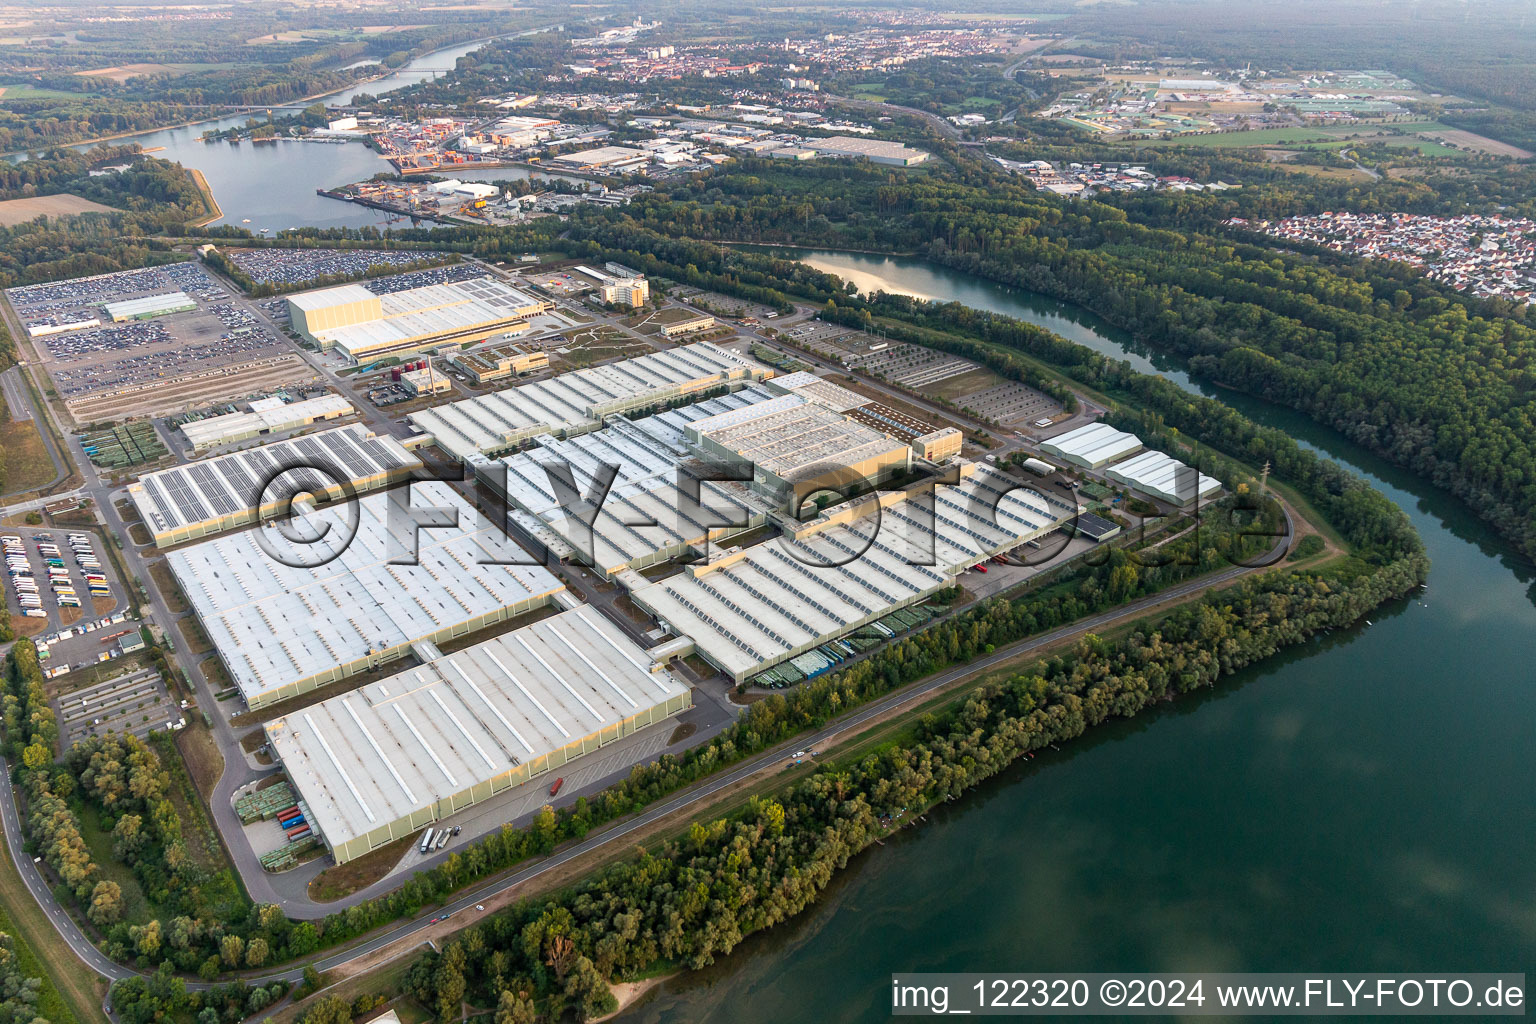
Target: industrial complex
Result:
[[269, 415], [657, 507], [225, 493], [796, 446], [576, 402], [361, 583], [1093, 446], [364, 326], [1152, 473], [396, 755], [757, 607]]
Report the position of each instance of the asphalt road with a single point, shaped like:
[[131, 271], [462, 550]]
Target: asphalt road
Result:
[[15, 392], [62, 922]]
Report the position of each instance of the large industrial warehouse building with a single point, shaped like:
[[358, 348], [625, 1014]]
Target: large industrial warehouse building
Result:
[[394, 756], [776, 601], [226, 493], [653, 511], [365, 326], [576, 402], [366, 585], [796, 445], [266, 416], [1093, 446], [1163, 476]]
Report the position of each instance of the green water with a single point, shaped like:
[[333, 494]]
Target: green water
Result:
[[1363, 803]]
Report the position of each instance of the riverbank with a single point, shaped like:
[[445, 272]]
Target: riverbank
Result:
[[215, 212], [628, 993]]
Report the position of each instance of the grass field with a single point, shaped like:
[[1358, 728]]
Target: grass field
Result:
[[343, 880], [32, 92], [1268, 137], [70, 994], [192, 634], [165, 582], [27, 464], [122, 72], [137, 908]]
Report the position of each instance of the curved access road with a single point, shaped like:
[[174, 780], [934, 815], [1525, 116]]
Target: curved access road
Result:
[[38, 886]]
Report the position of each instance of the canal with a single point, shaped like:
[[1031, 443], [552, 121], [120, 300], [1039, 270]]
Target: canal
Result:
[[1362, 803]]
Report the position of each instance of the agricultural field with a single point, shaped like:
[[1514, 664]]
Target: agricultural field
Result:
[[21, 211], [32, 92]]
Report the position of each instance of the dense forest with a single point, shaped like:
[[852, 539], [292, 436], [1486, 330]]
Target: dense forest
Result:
[[156, 197]]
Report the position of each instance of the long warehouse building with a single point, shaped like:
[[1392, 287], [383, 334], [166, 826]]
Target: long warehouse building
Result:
[[794, 445], [362, 583], [655, 510], [364, 326], [264, 417], [1163, 476], [1093, 446], [576, 402], [783, 599], [394, 756], [203, 498]]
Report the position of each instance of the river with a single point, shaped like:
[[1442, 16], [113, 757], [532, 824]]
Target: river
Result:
[[272, 185], [1363, 803]]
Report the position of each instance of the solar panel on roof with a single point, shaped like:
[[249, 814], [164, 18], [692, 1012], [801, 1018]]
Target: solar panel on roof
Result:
[[212, 488], [382, 457], [340, 446]]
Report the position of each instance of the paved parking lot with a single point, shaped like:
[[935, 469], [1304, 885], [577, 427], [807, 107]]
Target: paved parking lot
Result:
[[24, 550], [135, 702], [1013, 404], [107, 370], [432, 275], [727, 305], [302, 266], [81, 298], [819, 334]]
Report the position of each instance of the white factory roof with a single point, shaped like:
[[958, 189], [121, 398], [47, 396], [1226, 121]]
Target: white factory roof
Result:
[[784, 594], [149, 304], [823, 392], [217, 429], [374, 756], [651, 505], [789, 434], [1093, 445], [209, 490], [324, 298], [433, 309], [274, 624], [1163, 476], [576, 401]]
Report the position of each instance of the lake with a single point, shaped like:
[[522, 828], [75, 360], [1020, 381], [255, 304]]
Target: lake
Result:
[[272, 185]]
